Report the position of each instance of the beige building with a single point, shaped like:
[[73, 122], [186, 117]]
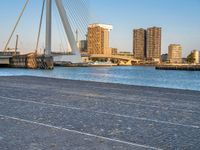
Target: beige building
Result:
[[175, 53], [196, 56], [98, 39], [139, 43], [154, 44]]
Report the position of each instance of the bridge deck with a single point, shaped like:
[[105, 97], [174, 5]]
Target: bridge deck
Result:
[[42, 113]]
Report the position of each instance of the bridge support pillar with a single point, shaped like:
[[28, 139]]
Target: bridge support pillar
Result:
[[47, 50], [68, 30]]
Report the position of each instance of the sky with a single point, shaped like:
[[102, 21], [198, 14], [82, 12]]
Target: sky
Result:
[[179, 19]]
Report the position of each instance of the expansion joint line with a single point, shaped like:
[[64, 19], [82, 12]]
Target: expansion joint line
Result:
[[78, 132]]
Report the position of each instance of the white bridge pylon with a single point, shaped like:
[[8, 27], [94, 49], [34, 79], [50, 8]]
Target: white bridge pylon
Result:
[[75, 57]]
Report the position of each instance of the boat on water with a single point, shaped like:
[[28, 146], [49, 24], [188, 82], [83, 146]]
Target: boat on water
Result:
[[102, 64]]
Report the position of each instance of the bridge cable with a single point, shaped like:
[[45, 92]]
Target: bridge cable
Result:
[[72, 18], [82, 11], [76, 17], [83, 15], [79, 12], [18, 20], [40, 26]]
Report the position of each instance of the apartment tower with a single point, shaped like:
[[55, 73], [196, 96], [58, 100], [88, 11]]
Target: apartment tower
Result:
[[154, 43], [98, 39], [139, 43]]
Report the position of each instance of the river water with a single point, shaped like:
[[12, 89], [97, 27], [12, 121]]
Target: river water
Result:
[[144, 76]]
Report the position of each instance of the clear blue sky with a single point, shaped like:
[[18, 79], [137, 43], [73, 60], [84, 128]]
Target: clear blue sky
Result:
[[179, 19]]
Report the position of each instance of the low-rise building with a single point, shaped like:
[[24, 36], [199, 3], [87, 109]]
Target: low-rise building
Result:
[[164, 57]]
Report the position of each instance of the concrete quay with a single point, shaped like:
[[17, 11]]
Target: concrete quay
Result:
[[179, 67], [54, 114], [30, 61]]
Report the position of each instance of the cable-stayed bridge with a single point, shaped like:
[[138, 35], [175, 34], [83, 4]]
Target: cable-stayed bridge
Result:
[[71, 20]]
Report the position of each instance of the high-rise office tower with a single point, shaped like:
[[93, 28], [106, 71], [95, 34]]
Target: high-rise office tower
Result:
[[154, 43], [139, 43], [98, 39]]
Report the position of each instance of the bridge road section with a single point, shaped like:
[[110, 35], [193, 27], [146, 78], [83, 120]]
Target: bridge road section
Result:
[[43, 113]]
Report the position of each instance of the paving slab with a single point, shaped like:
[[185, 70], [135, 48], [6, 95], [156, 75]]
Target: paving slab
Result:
[[44, 113]]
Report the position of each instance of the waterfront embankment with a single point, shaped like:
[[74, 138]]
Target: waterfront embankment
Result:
[[45, 113], [179, 67]]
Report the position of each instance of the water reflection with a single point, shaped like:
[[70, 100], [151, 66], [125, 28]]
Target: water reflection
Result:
[[145, 76]]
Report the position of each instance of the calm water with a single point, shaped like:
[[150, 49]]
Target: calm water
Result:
[[145, 76]]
